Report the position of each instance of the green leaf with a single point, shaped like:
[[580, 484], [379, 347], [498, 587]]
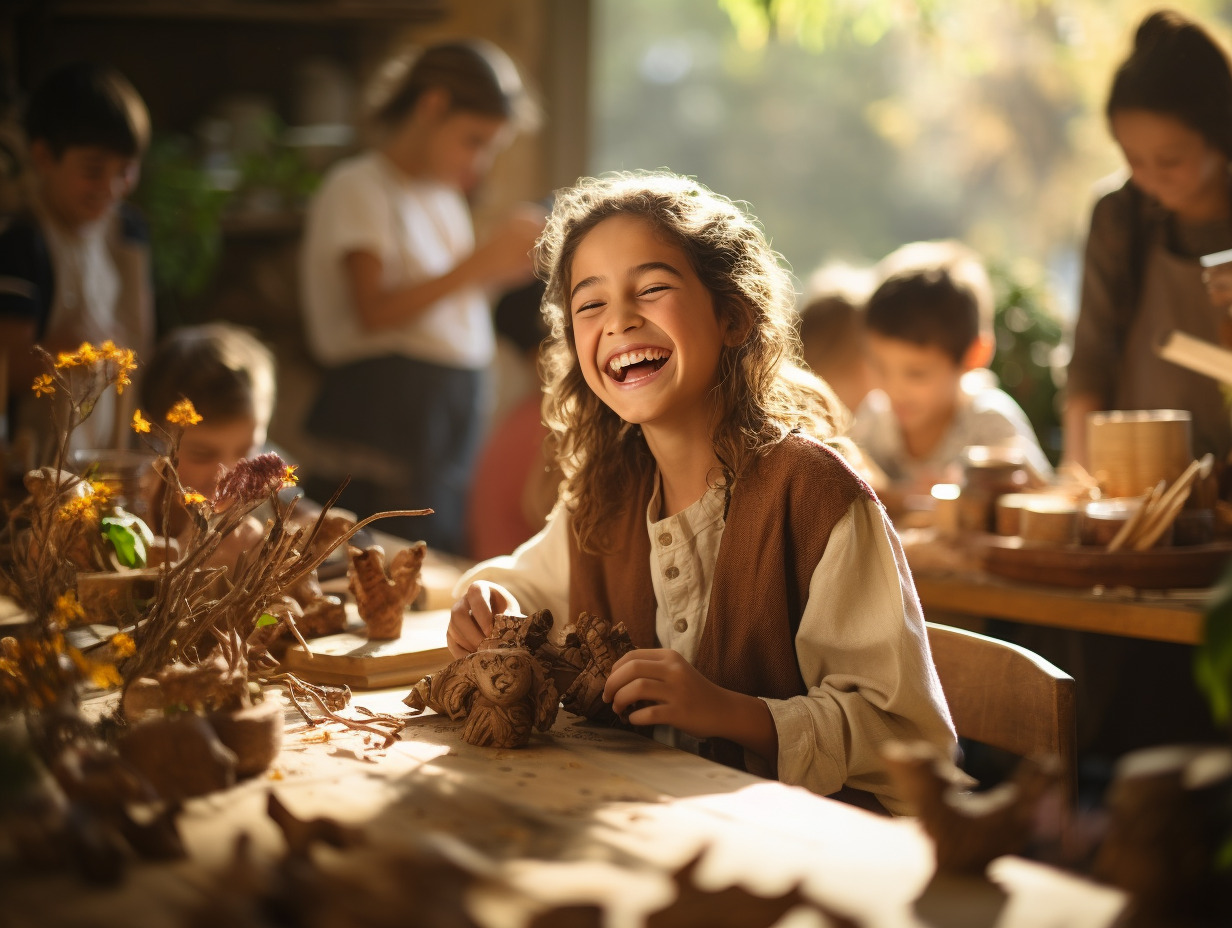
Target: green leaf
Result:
[[266, 620], [1213, 657], [128, 543]]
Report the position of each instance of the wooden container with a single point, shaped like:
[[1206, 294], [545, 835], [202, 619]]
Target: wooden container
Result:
[[1009, 512], [1132, 450], [1049, 520], [1102, 519]]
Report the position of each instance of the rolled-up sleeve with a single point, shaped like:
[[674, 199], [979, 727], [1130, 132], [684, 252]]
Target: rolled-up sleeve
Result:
[[863, 652]]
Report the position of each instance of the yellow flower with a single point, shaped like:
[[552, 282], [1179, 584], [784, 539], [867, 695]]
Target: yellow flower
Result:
[[140, 423], [44, 385], [87, 353], [183, 413], [67, 608], [78, 509], [193, 498], [102, 491], [105, 676], [288, 476], [123, 644]]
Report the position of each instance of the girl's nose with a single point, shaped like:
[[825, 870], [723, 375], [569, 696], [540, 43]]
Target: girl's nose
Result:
[[624, 317]]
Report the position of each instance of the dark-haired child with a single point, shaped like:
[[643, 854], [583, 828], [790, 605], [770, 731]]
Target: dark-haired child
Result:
[[928, 328], [74, 265]]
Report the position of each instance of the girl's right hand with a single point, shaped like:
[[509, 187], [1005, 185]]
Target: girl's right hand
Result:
[[470, 619]]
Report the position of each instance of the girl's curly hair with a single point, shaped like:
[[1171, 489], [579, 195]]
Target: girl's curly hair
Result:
[[762, 393]]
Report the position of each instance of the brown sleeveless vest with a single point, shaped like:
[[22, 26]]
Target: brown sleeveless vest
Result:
[[779, 521]]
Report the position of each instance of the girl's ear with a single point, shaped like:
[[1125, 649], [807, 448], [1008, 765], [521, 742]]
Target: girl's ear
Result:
[[979, 354], [738, 325]]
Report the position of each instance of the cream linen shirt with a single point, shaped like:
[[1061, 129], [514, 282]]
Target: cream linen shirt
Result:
[[861, 646]]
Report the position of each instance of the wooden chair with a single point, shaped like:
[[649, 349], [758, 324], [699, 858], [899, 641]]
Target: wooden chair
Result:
[[1006, 696]]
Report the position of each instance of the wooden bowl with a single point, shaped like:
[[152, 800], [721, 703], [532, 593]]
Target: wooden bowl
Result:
[[1101, 519], [1049, 520]]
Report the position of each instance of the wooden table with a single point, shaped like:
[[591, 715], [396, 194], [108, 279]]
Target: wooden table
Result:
[[581, 815], [1156, 616]]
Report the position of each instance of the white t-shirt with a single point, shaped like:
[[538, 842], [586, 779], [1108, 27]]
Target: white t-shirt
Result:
[[419, 229], [985, 415]]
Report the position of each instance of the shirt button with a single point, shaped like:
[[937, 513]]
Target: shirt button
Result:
[[672, 573], [681, 625], [665, 539]]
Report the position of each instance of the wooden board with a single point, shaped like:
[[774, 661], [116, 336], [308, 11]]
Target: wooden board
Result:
[[1085, 566], [350, 658]]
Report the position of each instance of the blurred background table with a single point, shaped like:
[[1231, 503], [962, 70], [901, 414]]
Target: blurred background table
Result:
[[1173, 616]]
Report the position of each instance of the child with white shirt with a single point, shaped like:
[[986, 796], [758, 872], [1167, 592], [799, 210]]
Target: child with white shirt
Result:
[[75, 261], [928, 332], [776, 621], [394, 297]]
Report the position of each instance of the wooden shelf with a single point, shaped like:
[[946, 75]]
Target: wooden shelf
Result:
[[255, 11]]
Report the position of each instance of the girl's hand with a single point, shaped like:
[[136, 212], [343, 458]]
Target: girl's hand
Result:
[[677, 694], [470, 619]]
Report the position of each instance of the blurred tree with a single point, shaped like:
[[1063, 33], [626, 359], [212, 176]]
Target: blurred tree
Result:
[[853, 126]]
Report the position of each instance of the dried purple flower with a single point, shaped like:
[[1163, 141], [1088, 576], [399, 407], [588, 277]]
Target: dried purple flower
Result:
[[251, 480]]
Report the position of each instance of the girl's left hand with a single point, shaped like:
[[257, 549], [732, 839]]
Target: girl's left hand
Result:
[[676, 692]]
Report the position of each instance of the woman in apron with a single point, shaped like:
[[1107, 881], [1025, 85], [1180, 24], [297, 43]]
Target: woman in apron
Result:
[[1170, 111]]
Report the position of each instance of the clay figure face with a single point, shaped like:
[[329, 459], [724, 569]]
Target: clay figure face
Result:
[[503, 675]]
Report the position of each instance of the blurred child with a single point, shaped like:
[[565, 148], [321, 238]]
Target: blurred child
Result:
[[515, 481], [929, 333], [229, 377], [74, 265], [393, 289], [831, 326], [774, 613]]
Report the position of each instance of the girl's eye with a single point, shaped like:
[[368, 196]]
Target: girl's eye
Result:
[[585, 306], [654, 288]]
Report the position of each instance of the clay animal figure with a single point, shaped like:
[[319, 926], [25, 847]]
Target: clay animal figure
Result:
[[502, 692], [970, 829], [382, 596], [515, 679], [581, 667]]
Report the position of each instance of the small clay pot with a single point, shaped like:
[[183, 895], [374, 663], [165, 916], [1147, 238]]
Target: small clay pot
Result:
[[180, 756], [253, 733]]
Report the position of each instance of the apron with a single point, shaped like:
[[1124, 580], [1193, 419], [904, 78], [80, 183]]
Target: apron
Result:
[[1174, 297]]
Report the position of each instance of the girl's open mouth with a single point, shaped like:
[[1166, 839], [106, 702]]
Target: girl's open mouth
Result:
[[641, 363]]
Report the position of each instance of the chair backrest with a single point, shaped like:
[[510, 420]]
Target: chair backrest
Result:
[[1006, 696]]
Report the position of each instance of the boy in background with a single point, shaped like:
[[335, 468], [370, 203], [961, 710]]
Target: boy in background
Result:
[[928, 328], [831, 327], [228, 375], [74, 264]]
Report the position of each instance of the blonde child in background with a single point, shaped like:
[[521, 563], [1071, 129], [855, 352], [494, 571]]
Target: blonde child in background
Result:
[[229, 377], [831, 327], [928, 327], [776, 618], [75, 263], [394, 290]]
